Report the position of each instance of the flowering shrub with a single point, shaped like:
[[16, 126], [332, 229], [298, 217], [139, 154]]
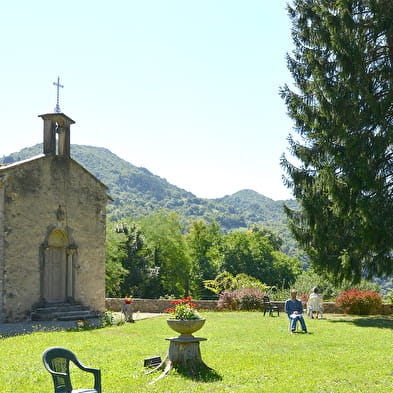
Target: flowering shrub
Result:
[[228, 301], [304, 298], [246, 299], [184, 309], [359, 302], [249, 299]]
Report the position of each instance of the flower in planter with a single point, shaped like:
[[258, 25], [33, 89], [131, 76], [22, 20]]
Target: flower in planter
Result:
[[126, 309], [127, 300], [184, 309]]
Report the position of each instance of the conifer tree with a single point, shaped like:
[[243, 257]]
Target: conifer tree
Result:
[[342, 106]]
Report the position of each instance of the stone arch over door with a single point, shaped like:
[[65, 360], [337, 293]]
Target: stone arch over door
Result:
[[58, 270]]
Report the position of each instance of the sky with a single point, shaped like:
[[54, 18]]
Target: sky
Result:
[[187, 89]]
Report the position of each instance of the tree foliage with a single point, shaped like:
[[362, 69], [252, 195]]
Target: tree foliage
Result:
[[137, 258], [163, 231], [226, 282], [204, 243], [341, 104], [157, 256], [253, 254], [115, 272]]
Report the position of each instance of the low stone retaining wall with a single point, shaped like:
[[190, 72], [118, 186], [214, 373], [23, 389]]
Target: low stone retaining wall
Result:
[[331, 308], [386, 309], [328, 307], [160, 305], [155, 305]]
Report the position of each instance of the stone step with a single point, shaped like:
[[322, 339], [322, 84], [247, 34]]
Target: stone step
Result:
[[63, 308], [59, 313], [62, 312], [76, 317]]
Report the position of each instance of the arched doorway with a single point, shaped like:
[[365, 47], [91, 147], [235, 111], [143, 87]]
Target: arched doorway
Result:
[[58, 268]]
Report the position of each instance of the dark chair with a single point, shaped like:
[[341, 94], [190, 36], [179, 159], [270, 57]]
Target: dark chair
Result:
[[57, 362], [268, 307]]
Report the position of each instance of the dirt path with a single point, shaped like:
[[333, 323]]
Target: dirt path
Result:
[[27, 327]]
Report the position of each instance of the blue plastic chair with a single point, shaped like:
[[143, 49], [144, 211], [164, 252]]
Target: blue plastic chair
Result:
[[57, 362]]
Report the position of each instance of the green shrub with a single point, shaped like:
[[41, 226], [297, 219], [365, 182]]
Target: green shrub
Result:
[[355, 301], [389, 295], [108, 318]]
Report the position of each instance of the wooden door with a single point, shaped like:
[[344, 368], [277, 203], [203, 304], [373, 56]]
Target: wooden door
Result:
[[55, 275], [55, 268]]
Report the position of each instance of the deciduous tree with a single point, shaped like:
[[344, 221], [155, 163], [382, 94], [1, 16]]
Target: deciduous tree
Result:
[[163, 231], [204, 243], [137, 259]]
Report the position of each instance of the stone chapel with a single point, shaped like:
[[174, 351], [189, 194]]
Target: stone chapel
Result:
[[52, 229]]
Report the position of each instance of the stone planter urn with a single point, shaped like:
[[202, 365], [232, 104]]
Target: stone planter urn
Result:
[[184, 352], [186, 326]]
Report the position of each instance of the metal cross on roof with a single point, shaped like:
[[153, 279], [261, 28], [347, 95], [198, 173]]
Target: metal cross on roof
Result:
[[58, 85]]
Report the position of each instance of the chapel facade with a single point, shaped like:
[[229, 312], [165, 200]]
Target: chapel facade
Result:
[[52, 229]]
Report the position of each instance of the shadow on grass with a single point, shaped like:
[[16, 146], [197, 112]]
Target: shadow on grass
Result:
[[300, 333], [369, 321], [200, 375]]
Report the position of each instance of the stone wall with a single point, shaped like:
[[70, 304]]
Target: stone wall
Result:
[[155, 305], [2, 234], [160, 305], [34, 191], [331, 308]]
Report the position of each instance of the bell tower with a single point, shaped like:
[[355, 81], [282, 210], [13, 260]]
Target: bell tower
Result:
[[57, 129], [57, 134]]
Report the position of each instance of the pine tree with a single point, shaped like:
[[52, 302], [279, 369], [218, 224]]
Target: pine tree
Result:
[[342, 107]]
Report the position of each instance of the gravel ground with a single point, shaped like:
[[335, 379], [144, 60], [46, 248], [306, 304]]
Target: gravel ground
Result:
[[27, 327]]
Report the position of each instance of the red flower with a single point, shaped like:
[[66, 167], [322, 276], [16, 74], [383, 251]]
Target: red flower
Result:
[[184, 309]]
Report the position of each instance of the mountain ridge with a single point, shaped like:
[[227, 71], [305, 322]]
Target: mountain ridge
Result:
[[137, 192]]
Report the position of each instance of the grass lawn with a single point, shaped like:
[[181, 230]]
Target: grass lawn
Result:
[[249, 352]]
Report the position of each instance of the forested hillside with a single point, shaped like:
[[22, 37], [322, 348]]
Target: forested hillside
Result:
[[137, 192]]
